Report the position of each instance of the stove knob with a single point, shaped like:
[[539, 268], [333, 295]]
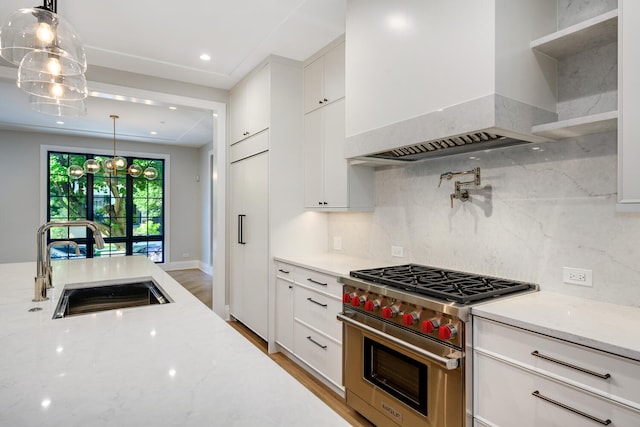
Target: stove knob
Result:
[[357, 301], [410, 318], [447, 332], [346, 298], [430, 325], [371, 305], [389, 312]]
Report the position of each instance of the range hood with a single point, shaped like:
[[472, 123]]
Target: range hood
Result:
[[485, 123], [416, 87]]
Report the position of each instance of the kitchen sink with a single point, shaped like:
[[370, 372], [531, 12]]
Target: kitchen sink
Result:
[[88, 298]]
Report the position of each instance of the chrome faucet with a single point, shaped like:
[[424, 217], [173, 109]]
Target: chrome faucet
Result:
[[43, 277]]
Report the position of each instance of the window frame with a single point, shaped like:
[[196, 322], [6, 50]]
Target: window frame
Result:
[[129, 240]]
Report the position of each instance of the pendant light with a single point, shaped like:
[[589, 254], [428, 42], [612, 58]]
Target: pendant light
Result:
[[113, 165], [50, 58], [39, 29]]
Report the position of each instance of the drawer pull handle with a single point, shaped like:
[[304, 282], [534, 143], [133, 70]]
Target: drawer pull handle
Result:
[[569, 408], [324, 347], [316, 282], [283, 271], [569, 365], [316, 302]]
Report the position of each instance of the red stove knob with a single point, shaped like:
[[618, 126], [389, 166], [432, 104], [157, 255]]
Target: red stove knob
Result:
[[447, 332], [356, 301], [430, 325], [346, 298], [410, 318], [371, 305], [389, 312]]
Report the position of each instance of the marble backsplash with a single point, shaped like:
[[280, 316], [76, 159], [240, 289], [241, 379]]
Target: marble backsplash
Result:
[[541, 207]]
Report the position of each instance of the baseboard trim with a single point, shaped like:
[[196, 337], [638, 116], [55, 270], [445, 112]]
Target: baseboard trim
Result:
[[182, 265]]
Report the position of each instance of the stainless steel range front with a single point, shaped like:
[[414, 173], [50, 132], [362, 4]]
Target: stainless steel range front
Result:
[[405, 339]]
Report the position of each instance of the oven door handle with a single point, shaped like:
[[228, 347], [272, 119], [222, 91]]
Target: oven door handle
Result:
[[448, 363]]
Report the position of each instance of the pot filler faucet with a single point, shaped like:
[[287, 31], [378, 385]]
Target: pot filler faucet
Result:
[[459, 193], [43, 277]]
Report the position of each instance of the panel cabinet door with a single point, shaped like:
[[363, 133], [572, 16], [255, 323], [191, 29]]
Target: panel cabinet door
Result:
[[284, 313], [314, 85], [237, 113], [313, 161], [336, 167], [258, 106], [334, 74], [249, 239]]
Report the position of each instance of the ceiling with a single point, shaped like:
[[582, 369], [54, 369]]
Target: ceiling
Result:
[[164, 40]]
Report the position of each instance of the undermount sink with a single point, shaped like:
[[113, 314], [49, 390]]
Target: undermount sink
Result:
[[88, 298]]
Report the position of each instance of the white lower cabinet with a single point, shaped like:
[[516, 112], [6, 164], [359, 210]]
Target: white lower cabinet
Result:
[[532, 380], [307, 302], [284, 304]]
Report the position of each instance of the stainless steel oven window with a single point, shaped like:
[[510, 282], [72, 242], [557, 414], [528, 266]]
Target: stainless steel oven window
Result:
[[402, 377]]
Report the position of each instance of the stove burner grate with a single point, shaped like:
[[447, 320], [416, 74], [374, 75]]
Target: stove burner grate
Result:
[[443, 284]]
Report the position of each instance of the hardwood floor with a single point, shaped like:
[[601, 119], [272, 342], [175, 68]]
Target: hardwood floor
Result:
[[200, 285]]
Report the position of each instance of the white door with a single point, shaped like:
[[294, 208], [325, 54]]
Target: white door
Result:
[[313, 162]]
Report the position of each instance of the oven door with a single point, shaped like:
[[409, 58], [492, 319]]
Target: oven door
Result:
[[396, 378]]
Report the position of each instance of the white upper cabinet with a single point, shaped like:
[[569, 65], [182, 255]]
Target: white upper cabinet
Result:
[[331, 183], [324, 79], [629, 106], [249, 110]]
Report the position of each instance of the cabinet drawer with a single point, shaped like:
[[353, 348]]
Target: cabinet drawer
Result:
[[319, 281], [561, 358], [319, 352], [318, 310], [285, 271], [506, 397]]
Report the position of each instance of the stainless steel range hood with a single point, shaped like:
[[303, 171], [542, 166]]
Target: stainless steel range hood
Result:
[[448, 146]]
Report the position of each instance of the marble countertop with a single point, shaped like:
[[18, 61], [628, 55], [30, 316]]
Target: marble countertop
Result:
[[608, 327], [330, 263], [175, 364]]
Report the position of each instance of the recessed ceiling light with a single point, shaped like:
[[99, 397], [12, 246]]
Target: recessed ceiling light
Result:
[[172, 108], [205, 57], [60, 122], [153, 132]]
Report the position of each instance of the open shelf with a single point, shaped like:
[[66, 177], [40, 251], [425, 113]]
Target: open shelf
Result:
[[579, 126], [594, 32]]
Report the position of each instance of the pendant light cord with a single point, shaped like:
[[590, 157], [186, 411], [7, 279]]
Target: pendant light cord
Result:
[[115, 169]]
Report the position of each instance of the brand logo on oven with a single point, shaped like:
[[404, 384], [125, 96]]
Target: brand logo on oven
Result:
[[391, 411]]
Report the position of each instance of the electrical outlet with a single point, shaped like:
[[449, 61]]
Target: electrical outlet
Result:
[[337, 243], [397, 251], [577, 276], [185, 255]]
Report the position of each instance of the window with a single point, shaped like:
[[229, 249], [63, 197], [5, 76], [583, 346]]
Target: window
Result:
[[129, 211]]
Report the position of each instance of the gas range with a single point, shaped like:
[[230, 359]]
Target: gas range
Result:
[[406, 334], [429, 301]]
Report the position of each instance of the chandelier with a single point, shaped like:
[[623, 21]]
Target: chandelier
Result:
[[50, 58], [114, 165]]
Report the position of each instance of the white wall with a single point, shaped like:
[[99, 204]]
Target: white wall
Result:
[[541, 207], [20, 192]]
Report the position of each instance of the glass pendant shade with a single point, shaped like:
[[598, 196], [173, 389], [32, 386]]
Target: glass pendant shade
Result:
[[134, 170], [46, 85], [58, 107], [75, 172], [32, 29], [91, 166], [53, 61], [150, 173], [119, 162]]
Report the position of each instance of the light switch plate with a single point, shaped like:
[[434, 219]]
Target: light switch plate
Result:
[[337, 243], [397, 251]]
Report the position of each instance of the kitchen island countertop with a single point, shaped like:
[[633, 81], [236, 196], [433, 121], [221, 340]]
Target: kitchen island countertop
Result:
[[175, 364]]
